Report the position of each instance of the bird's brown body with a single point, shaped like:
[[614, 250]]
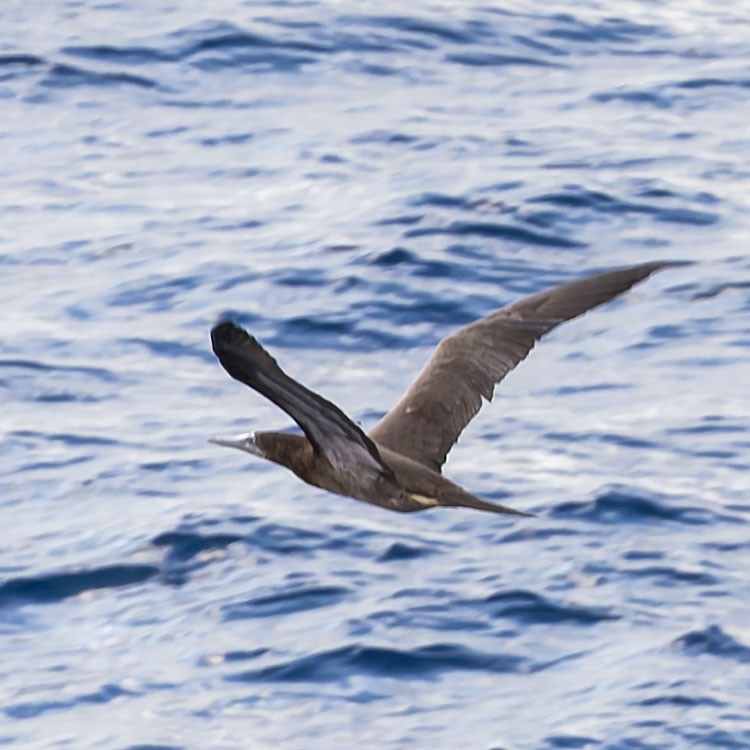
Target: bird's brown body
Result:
[[417, 487], [398, 464]]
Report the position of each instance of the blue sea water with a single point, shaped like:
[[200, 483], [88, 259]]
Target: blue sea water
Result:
[[352, 181]]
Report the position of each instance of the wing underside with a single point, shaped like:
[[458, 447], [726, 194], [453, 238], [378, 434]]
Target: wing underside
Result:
[[467, 365]]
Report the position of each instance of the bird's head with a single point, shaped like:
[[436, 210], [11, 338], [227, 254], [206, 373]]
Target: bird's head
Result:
[[290, 450]]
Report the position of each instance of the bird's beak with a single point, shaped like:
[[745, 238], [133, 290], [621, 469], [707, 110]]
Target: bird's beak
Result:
[[245, 442]]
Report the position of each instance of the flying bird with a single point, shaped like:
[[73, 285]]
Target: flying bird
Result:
[[397, 465]]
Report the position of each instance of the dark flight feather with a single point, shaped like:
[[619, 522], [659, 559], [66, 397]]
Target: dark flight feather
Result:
[[328, 429]]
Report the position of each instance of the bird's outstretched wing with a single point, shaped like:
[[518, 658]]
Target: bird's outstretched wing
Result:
[[328, 429], [467, 365]]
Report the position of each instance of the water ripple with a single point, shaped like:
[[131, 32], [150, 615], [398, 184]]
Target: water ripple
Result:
[[54, 587], [184, 546], [399, 551], [493, 59], [32, 710], [530, 608], [493, 230], [68, 76], [424, 662], [713, 641], [622, 506], [107, 376], [572, 29], [297, 599], [578, 197]]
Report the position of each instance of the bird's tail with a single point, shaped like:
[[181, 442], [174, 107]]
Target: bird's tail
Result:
[[476, 503], [459, 498]]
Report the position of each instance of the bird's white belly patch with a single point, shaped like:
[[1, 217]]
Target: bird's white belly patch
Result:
[[423, 499]]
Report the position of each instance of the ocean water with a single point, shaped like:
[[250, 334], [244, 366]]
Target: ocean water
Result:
[[352, 181]]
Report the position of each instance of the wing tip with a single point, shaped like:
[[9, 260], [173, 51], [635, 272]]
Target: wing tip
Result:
[[238, 352], [227, 335], [659, 265]]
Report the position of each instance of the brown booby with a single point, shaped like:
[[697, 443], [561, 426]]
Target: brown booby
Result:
[[397, 465]]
